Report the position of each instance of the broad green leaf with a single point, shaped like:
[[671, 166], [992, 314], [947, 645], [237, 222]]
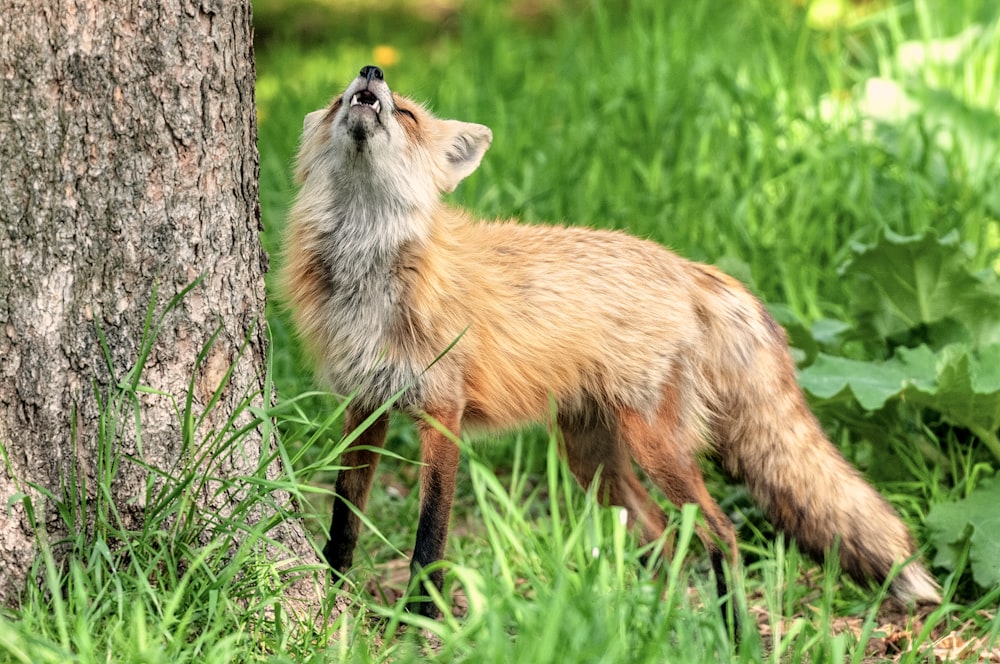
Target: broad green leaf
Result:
[[903, 282], [829, 332], [975, 520], [966, 389], [870, 383], [838, 378], [962, 385]]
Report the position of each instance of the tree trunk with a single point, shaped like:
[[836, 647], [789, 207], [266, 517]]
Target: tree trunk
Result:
[[128, 165]]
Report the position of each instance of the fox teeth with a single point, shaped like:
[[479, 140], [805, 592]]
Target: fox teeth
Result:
[[376, 106]]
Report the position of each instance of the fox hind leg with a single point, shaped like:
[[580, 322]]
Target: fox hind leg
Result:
[[592, 451], [665, 447]]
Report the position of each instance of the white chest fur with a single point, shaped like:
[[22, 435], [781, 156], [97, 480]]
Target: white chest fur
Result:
[[361, 248]]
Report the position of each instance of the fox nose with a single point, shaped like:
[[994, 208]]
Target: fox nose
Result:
[[371, 71]]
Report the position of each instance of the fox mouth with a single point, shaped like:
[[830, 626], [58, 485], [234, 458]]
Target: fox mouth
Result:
[[366, 98], [363, 118]]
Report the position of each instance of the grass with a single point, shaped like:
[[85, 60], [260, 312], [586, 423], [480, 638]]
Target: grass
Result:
[[728, 131]]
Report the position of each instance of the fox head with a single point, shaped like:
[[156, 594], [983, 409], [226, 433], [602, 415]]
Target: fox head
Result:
[[372, 139]]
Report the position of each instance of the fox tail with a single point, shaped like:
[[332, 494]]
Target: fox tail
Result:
[[773, 442]]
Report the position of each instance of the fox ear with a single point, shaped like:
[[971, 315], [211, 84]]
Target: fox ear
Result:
[[462, 148], [307, 147], [311, 120]]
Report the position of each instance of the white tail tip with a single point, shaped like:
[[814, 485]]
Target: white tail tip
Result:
[[915, 584]]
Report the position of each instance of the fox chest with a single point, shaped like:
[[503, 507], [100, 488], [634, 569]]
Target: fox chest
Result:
[[365, 351]]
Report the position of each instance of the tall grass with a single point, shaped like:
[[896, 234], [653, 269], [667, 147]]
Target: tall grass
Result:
[[186, 582]]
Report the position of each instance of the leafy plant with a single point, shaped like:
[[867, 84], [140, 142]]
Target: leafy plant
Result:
[[917, 301], [905, 288], [919, 290], [972, 522]]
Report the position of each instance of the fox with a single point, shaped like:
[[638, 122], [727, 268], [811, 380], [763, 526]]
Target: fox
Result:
[[470, 325]]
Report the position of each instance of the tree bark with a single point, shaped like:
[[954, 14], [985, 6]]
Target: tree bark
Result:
[[128, 164]]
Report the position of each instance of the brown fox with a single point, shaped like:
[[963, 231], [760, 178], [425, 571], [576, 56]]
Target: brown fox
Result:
[[648, 357]]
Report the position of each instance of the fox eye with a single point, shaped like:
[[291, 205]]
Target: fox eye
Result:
[[406, 112]]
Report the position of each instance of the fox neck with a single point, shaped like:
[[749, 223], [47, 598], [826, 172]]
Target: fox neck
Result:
[[368, 232], [363, 210], [360, 239], [364, 230]]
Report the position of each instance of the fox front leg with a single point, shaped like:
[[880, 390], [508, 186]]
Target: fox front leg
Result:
[[354, 483], [437, 491]]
